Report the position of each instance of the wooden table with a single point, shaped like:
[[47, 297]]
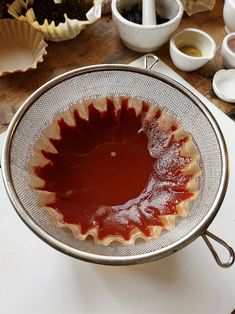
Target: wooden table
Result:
[[99, 43]]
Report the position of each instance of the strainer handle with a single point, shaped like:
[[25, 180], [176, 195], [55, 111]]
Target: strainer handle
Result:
[[151, 57], [206, 235]]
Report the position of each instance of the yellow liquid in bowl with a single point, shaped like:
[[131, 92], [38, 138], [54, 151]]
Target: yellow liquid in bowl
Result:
[[191, 51]]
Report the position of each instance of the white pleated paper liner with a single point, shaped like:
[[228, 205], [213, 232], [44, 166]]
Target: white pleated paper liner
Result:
[[22, 47]]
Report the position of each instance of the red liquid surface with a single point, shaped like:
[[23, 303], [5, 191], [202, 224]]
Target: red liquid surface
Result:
[[104, 174]]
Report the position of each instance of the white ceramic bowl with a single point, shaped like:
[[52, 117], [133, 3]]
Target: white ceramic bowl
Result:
[[228, 56], [223, 85], [229, 15], [146, 38], [195, 38]]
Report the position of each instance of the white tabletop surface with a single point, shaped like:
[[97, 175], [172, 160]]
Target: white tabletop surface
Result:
[[36, 279]]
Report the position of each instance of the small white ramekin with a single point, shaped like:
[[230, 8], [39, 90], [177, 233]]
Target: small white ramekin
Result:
[[191, 37]]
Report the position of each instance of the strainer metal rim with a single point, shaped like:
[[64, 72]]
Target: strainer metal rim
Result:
[[91, 257]]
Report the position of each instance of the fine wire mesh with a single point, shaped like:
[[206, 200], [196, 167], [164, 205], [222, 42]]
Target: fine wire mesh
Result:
[[107, 83]]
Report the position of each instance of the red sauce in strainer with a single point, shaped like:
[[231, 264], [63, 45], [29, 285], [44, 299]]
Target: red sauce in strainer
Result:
[[105, 172]]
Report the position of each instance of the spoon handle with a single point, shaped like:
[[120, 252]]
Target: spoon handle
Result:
[[148, 12]]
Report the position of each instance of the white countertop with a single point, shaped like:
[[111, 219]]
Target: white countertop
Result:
[[34, 278]]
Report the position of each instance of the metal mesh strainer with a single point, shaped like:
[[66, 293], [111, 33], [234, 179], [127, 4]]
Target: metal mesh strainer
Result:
[[99, 81]]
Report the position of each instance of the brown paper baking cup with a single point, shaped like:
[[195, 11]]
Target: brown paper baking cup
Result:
[[69, 29], [196, 6], [106, 7], [22, 47]]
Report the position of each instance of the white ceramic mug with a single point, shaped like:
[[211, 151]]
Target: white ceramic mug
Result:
[[229, 15], [228, 56]]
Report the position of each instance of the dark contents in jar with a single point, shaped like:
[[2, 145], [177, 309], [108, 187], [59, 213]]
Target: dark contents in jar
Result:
[[135, 15], [48, 9], [3, 9]]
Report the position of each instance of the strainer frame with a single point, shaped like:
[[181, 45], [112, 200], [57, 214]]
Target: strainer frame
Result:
[[201, 227]]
